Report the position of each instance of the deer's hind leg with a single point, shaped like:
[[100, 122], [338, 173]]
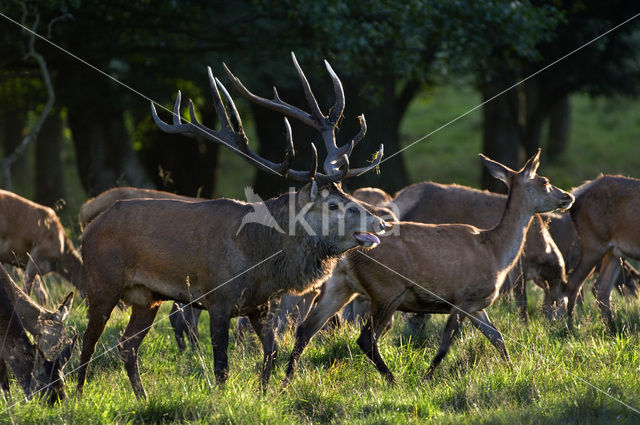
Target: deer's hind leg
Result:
[[374, 328], [139, 324], [450, 332]]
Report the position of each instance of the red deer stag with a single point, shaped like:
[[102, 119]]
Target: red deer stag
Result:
[[184, 318], [32, 237], [456, 269], [541, 260], [605, 220], [147, 251], [35, 374]]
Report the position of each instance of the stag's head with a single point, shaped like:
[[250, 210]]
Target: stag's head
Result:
[[539, 194], [47, 378], [51, 338], [340, 220], [326, 210]]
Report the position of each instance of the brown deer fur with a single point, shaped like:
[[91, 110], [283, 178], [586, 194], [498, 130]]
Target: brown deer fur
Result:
[[97, 205], [541, 260], [456, 269], [46, 326], [606, 221], [35, 374], [32, 237]]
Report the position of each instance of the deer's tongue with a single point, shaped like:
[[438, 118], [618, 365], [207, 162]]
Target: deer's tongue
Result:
[[366, 239]]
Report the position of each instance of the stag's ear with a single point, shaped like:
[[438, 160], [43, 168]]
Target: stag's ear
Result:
[[532, 165], [64, 308], [313, 191], [496, 169]]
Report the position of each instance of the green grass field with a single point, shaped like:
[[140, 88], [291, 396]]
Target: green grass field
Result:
[[557, 376], [553, 380]]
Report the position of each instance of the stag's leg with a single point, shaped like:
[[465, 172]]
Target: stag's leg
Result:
[[331, 299], [176, 319], [219, 330], [98, 315], [184, 320], [609, 273], [481, 321], [587, 261], [262, 322], [520, 291], [450, 331], [376, 326], [193, 317], [139, 324]]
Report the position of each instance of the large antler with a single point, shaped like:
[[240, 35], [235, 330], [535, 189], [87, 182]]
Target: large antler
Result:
[[232, 135], [336, 164]]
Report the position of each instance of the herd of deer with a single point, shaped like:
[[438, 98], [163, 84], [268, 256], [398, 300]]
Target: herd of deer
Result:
[[447, 249]]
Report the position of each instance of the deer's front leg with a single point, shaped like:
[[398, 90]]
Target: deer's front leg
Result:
[[219, 329], [262, 323]]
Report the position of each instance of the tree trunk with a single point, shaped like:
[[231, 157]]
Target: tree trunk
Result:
[[500, 136], [103, 148], [12, 125], [559, 128], [180, 164], [383, 122], [50, 185]]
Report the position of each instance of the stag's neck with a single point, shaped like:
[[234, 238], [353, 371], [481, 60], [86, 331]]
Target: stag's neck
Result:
[[20, 358], [28, 310], [305, 259], [70, 264], [508, 237]]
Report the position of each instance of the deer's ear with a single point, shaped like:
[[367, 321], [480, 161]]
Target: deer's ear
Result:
[[532, 165], [497, 170], [64, 308]]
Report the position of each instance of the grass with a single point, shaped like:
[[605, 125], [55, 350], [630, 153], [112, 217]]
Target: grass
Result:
[[337, 384]]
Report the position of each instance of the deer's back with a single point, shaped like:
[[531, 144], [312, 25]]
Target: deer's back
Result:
[[459, 265], [24, 225], [607, 209], [95, 206]]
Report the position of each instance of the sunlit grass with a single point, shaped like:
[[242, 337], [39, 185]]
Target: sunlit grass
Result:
[[337, 384]]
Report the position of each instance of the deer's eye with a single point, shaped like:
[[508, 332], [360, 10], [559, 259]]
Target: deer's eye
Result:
[[333, 206]]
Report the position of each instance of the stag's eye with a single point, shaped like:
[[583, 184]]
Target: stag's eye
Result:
[[333, 206]]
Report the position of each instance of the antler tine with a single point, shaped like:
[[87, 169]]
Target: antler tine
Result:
[[363, 130], [314, 161], [177, 126], [276, 104], [221, 111], [290, 148], [359, 171], [311, 100], [236, 122], [338, 107]]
